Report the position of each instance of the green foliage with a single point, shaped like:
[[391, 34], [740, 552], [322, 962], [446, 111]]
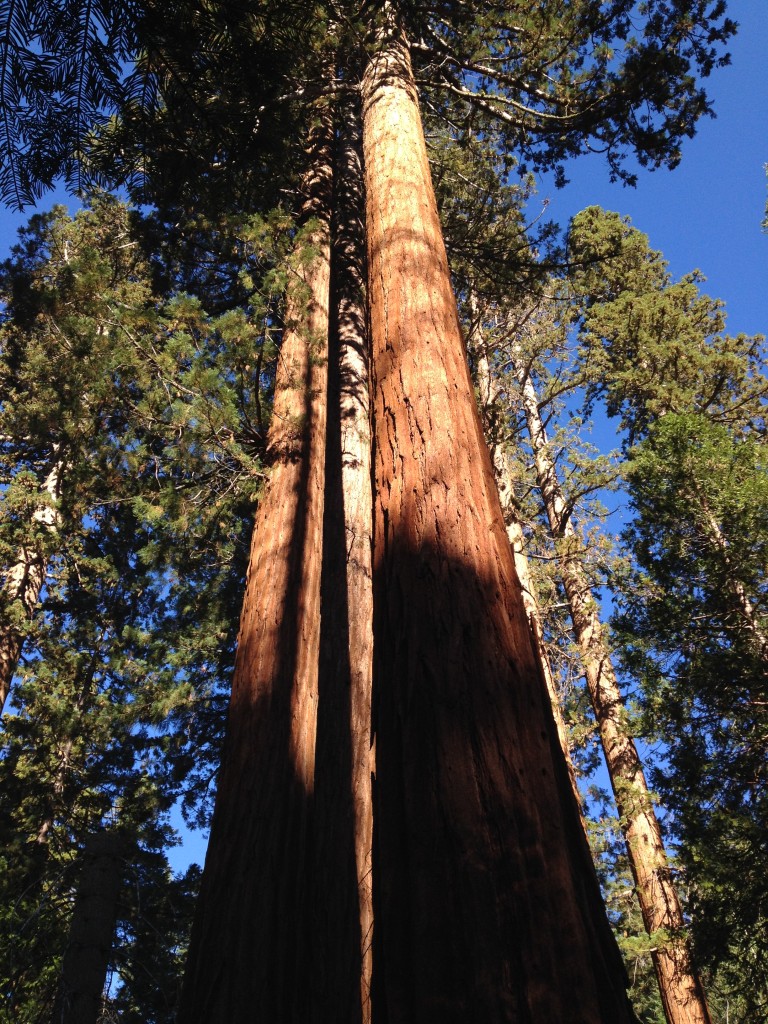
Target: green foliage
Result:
[[557, 78], [155, 413], [610, 856], [137, 362], [691, 622], [202, 100], [651, 346], [155, 917], [694, 625], [620, 335]]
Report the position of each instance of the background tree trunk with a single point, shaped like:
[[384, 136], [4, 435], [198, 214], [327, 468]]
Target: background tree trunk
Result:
[[487, 905], [249, 950], [489, 399], [681, 990], [744, 609], [25, 578], [84, 971]]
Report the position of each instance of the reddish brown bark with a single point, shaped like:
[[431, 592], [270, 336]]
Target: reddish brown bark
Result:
[[681, 989], [343, 796], [487, 907], [249, 954]]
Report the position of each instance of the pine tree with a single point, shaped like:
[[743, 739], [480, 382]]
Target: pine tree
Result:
[[691, 621], [691, 400], [680, 986], [129, 646]]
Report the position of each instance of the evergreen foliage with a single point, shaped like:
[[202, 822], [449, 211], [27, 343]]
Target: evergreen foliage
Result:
[[691, 619], [693, 624], [156, 413], [203, 89]]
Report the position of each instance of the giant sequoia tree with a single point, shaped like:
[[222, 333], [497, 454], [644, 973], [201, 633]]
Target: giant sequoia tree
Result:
[[485, 901]]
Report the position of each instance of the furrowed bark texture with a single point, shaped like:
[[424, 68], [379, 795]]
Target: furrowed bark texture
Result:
[[25, 580], [680, 986], [84, 970], [487, 906], [343, 795], [249, 950]]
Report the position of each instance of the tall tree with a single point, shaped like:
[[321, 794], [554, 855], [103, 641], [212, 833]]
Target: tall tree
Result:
[[462, 717], [268, 769], [491, 403], [691, 399], [679, 983], [131, 638], [73, 292], [691, 622], [84, 970], [343, 838], [551, 80]]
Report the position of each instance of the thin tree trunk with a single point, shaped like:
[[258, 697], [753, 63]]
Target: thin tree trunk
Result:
[[487, 906], [489, 400], [25, 578], [343, 795], [250, 943], [84, 970], [680, 986], [742, 606]]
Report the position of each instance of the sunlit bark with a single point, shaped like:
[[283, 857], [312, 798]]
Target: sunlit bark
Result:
[[487, 907], [25, 578], [743, 607], [489, 399], [343, 795], [249, 950]]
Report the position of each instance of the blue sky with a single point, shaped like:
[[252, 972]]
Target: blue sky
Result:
[[707, 213]]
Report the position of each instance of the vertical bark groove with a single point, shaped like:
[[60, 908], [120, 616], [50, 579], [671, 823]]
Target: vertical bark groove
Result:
[[343, 797], [255, 884]]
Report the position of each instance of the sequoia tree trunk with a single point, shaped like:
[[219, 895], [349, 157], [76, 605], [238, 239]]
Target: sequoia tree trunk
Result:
[[680, 986], [84, 970], [249, 952], [25, 578], [343, 796], [487, 905]]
